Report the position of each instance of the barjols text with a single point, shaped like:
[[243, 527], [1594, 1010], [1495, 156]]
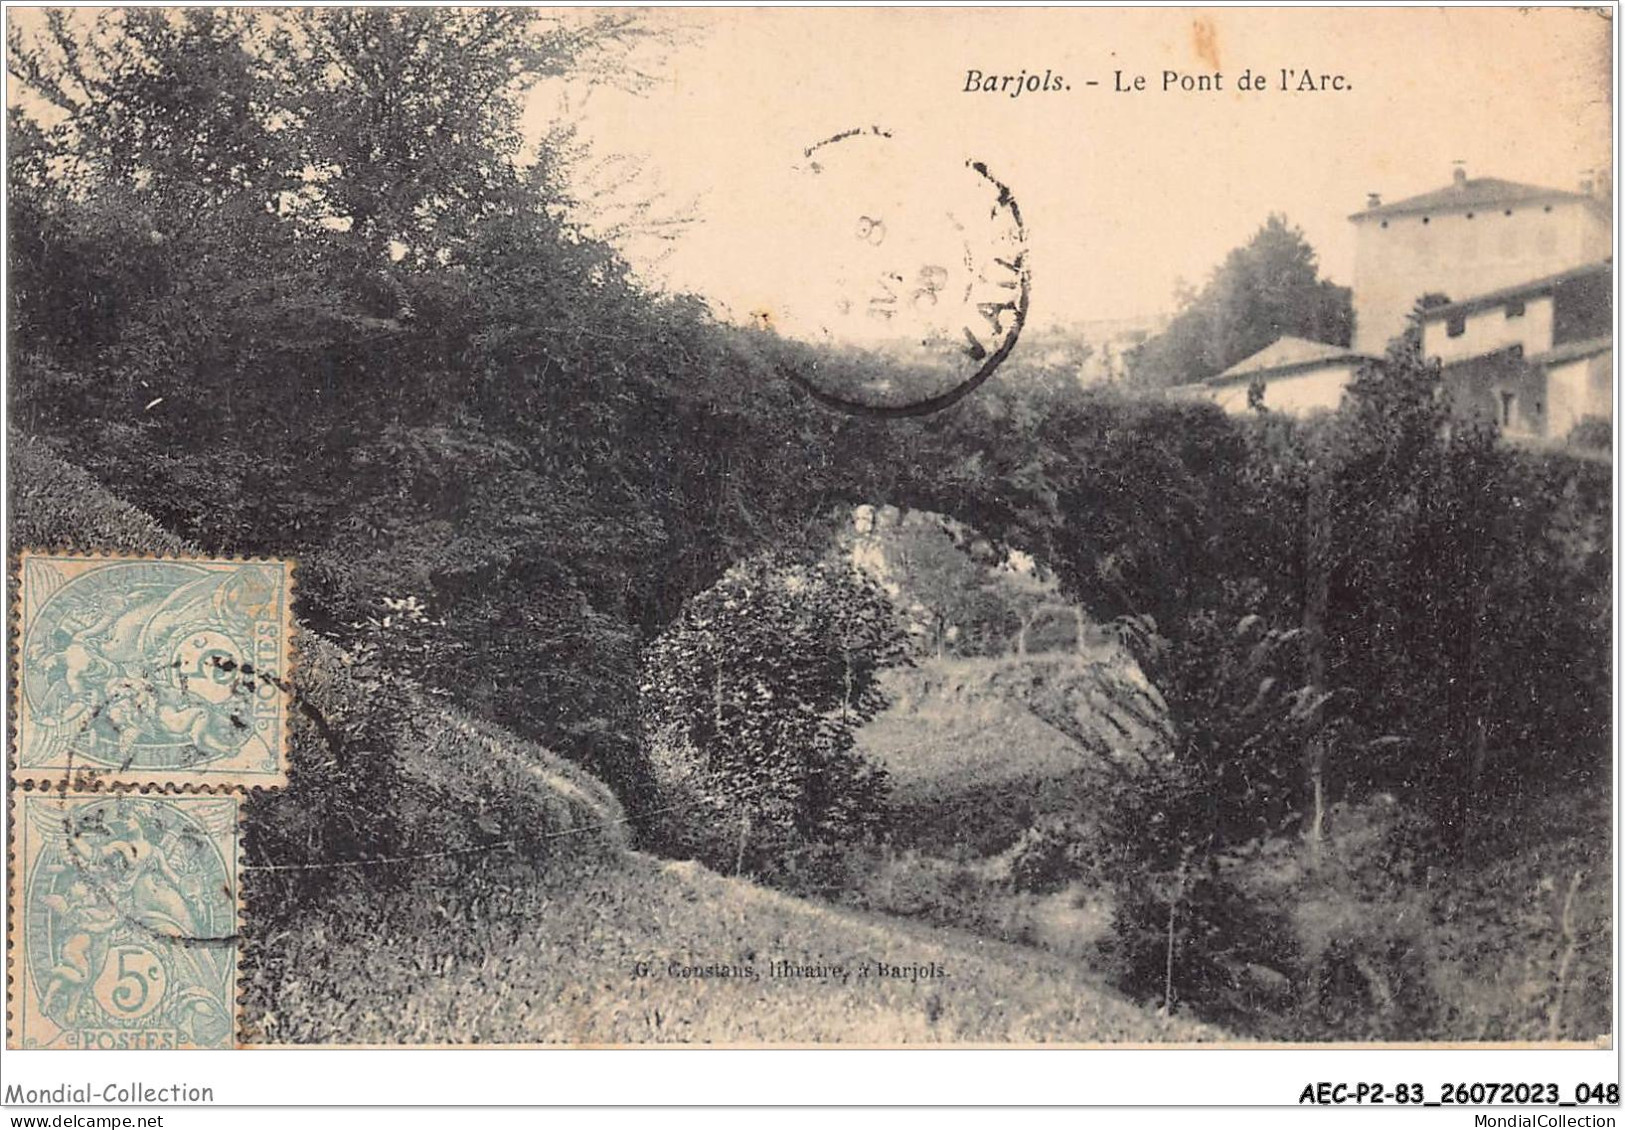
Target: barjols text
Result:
[[1014, 85]]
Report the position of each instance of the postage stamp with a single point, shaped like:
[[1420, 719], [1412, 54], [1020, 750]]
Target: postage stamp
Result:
[[153, 671], [124, 916]]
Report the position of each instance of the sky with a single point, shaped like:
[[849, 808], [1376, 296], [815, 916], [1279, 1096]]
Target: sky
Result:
[[1123, 195]]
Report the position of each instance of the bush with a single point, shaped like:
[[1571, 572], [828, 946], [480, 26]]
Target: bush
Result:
[[1201, 939], [55, 505], [1048, 856], [750, 704]]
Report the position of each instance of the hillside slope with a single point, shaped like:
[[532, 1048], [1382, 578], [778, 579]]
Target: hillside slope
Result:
[[532, 932], [521, 955]]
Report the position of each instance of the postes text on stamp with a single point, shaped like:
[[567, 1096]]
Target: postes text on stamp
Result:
[[123, 921], [153, 671]]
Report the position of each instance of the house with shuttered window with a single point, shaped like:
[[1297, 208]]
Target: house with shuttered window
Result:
[[1535, 358]]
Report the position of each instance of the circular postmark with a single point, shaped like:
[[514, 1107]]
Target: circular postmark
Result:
[[910, 276]]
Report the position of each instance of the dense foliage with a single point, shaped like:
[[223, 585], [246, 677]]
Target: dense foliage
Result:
[[751, 700], [1432, 628], [484, 413], [1268, 288]]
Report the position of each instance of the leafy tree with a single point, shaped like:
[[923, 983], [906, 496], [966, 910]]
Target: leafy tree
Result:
[[938, 582], [1409, 343], [1266, 289], [200, 247], [1224, 777], [750, 704]]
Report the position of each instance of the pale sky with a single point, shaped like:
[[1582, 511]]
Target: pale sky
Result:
[[1123, 194]]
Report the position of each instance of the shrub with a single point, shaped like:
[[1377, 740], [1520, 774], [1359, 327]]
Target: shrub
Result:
[[1196, 941], [750, 704], [1048, 856]]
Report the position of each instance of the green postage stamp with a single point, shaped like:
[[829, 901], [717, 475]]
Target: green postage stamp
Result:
[[153, 671], [124, 912], [149, 694]]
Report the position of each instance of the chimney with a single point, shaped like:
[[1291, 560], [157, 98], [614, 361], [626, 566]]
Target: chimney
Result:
[[1373, 200], [1459, 172]]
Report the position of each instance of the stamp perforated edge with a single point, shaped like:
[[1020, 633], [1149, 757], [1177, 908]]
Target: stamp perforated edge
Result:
[[14, 918], [180, 781], [13, 945]]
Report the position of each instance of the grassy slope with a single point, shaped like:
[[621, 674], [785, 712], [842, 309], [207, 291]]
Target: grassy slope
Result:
[[556, 963], [497, 949]]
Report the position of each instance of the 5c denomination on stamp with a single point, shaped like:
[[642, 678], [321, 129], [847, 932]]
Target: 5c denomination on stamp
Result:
[[124, 917], [153, 671]]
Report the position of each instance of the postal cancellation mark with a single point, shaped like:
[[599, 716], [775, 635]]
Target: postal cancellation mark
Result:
[[153, 671]]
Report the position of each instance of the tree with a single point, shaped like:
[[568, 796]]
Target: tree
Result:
[[1409, 342], [750, 704], [313, 236], [399, 128], [1268, 288]]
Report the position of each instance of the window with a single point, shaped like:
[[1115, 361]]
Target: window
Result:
[[1455, 325], [1508, 399], [1515, 309]]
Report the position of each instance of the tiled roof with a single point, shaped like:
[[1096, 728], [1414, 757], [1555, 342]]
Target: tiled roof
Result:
[[1287, 355], [1520, 290], [1476, 192]]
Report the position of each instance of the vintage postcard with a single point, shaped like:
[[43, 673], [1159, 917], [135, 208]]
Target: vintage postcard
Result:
[[123, 922], [153, 671], [1069, 527]]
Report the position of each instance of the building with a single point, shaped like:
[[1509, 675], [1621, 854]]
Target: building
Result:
[[1536, 357], [1475, 234], [1294, 376]]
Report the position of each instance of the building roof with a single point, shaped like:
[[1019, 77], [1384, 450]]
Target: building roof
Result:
[[1542, 285], [1286, 356], [1471, 192], [1573, 351]]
